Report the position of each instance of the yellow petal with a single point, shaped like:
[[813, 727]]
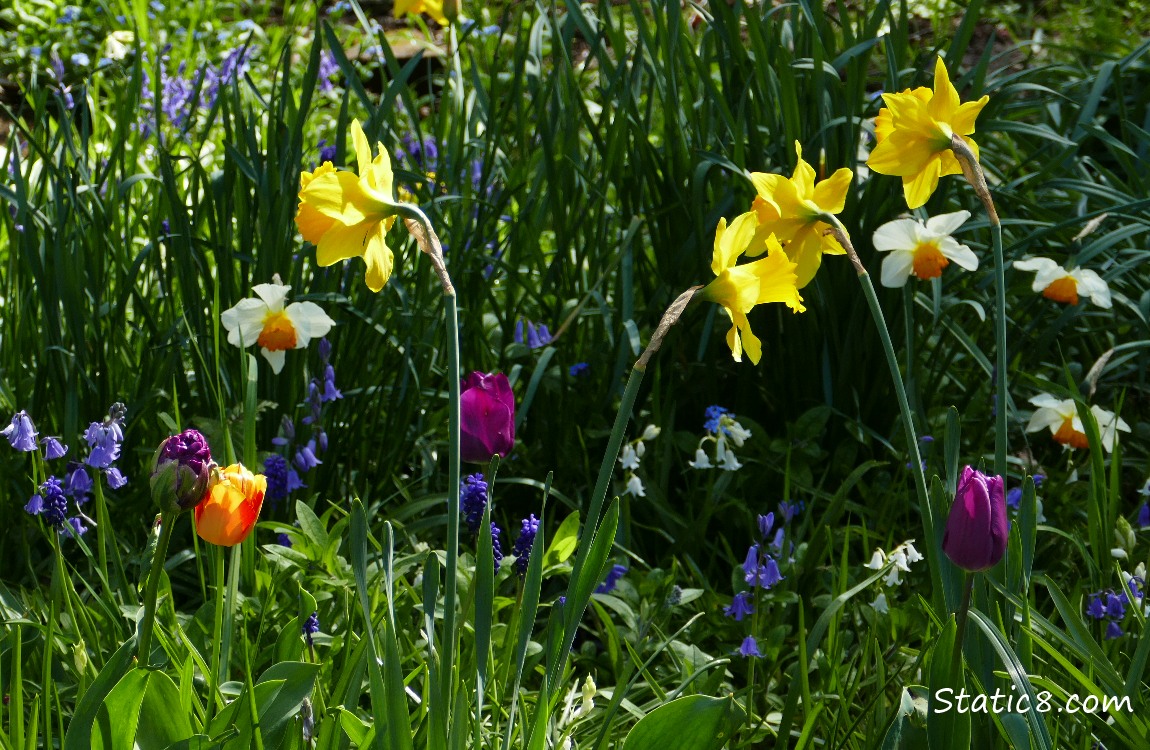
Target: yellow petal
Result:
[[920, 186], [312, 224], [342, 242], [805, 251], [778, 281], [831, 193], [766, 185], [731, 242], [804, 176], [338, 195], [944, 104], [962, 122], [902, 153], [362, 147], [750, 342], [379, 260], [322, 169]]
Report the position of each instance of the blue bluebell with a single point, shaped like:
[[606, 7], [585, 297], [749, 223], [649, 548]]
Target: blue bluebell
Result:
[[740, 607], [579, 369], [21, 433]]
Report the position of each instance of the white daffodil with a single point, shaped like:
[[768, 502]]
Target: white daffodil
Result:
[[1060, 285], [1061, 417], [923, 249], [264, 320]]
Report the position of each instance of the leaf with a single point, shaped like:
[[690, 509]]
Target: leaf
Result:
[[279, 694], [79, 736], [946, 729], [564, 543], [695, 721], [312, 527]]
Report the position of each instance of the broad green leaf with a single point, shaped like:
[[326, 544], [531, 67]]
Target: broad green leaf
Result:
[[564, 543], [695, 721]]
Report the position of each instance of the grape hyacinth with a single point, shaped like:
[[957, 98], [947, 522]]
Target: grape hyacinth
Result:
[[612, 580], [496, 545], [522, 550], [310, 628], [282, 478], [51, 503], [473, 500]]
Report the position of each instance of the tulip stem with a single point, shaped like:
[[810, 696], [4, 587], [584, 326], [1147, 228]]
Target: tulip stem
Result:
[[167, 523], [960, 630], [217, 627]]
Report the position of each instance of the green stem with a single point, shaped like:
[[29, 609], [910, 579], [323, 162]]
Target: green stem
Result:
[[447, 673], [960, 630], [230, 606], [167, 523], [1002, 397], [217, 627]]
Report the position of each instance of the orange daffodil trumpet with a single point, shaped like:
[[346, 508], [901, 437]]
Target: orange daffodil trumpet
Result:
[[1060, 285], [347, 215], [1060, 416], [228, 513], [923, 249], [790, 210], [738, 288], [264, 320], [914, 131]]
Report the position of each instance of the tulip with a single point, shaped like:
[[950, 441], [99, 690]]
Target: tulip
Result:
[[487, 417], [229, 511], [181, 471], [977, 529]]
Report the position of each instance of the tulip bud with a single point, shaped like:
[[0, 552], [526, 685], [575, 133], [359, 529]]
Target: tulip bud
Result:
[[181, 471], [977, 529], [487, 417]]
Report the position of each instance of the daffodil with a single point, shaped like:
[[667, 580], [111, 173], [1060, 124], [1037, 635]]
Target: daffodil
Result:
[[914, 132], [1060, 285], [1060, 416], [738, 288], [790, 209], [923, 249], [433, 8], [345, 215], [264, 320]]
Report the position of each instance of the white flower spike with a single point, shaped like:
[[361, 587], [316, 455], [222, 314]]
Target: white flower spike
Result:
[[923, 249], [266, 321]]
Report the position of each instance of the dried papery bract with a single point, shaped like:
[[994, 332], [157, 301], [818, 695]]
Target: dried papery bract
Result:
[[670, 318]]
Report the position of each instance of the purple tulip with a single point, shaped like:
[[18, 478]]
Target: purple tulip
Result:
[[487, 411], [977, 530]]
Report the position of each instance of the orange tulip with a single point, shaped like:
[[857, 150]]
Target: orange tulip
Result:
[[229, 511]]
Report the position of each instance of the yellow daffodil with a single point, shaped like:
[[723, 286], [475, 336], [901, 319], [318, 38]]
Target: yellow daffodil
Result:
[[345, 215], [433, 8], [789, 209], [1060, 416], [264, 320], [1060, 285], [914, 134], [738, 288], [922, 248]]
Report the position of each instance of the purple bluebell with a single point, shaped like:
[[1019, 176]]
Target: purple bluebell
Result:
[[165, 227], [283, 540], [326, 152], [926, 439], [74, 527], [53, 448], [70, 15], [579, 369], [115, 477], [532, 336], [21, 433], [1114, 630], [77, 483], [1116, 606], [768, 574], [327, 68], [35, 505], [324, 346], [330, 392], [321, 439], [104, 438], [751, 565], [1136, 586], [287, 432], [544, 335], [766, 523], [528, 528], [1095, 608], [1144, 516], [712, 416], [612, 580], [789, 510], [776, 544], [749, 647], [473, 500], [519, 331], [1014, 497], [305, 458], [741, 606]]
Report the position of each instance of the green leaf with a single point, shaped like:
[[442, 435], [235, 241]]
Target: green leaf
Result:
[[564, 543], [312, 527], [696, 721], [142, 711], [79, 736], [279, 694], [946, 729], [903, 733]]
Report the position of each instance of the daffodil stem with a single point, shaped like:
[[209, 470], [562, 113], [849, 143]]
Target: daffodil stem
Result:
[[167, 523], [1002, 397], [447, 672]]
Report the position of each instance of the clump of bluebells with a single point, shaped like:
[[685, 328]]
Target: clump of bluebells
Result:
[[1111, 606], [899, 560], [761, 570], [536, 335], [630, 457], [722, 431]]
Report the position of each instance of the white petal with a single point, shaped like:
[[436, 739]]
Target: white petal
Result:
[[273, 294], [245, 321], [947, 223], [310, 322], [880, 604], [1045, 399], [900, 234], [877, 560], [962, 255], [1035, 264], [1046, 271], [1045, 418], [1093, 286], [274, 358], [896, 268]]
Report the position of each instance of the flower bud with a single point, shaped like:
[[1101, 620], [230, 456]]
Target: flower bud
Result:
[[181, 471], [229, 511], [977, 529]]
